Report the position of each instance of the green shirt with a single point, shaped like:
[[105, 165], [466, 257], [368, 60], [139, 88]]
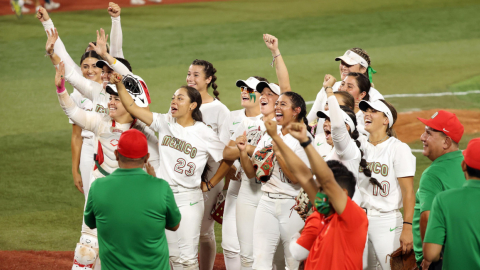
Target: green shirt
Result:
[[444, 173], [455, 223], [131, 209]]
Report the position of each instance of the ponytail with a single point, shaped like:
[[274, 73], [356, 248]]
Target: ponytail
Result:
[[209, 72], [298, 101]]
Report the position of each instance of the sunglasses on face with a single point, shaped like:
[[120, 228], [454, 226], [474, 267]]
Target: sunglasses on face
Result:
[[249, 90]]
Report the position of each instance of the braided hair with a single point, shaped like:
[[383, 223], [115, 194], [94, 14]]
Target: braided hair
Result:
[[209, 72], [363, 163], [298, 101]]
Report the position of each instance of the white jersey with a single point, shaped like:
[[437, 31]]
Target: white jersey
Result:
[[107, 133], [388, 161], [279, 183], [84, 104], [236, 118], [184, 151]]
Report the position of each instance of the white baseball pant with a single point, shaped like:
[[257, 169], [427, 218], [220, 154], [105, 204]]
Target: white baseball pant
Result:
[[230, 245]]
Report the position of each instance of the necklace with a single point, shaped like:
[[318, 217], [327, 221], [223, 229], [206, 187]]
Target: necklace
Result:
[[378, 141]]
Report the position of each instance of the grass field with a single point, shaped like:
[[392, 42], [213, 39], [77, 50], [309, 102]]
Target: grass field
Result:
[[420, 46]]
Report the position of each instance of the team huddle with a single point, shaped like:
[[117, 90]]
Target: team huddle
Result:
[[315, 190]]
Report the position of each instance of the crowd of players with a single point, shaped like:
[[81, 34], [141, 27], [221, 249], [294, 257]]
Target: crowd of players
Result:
[[319, 190]]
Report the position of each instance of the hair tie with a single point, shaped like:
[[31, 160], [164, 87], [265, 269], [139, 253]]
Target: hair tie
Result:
[[371, 71]]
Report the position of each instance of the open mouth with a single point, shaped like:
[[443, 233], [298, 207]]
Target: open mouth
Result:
[[368, 122], [191, 84], [112, 109], [245, 98], [278, 116], [263, 103], [328, 133], [173, 110]]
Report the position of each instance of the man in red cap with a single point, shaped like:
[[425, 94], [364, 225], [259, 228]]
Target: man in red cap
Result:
[[131, 210], [443, 132], [454, 222]]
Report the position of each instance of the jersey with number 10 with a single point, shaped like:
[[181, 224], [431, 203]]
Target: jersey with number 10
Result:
[[184, 151]]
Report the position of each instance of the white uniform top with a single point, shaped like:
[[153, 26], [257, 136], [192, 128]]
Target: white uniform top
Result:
[[236, 118], [84, 104], [279, 183], [344, 148], [107, 133], [184, 151], [255, 128], [388, 161]]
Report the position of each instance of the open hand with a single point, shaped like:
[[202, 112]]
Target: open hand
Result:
[[101, 47], [52, 38], [42, 15], [298, 131], [241, 142], [115, 78], [271, 127], [271, 42], [114, 9], [150, 169], [60, 75], [329, 81]]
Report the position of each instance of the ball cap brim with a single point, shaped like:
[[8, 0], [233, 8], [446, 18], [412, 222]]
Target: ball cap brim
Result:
[[272, 86], [447, 123], [352, 58], [377, 105], [346, 118], [132, 144], [472, 154], [102, 63], [250, 83]]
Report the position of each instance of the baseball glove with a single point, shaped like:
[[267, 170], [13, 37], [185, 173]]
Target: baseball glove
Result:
[[398, 261], [217, 210], [254, 136], [263, 162], [303, 202]]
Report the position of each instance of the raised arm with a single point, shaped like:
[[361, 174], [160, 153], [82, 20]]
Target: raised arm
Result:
[[145, 116], [245, 160], [116, 35], [101, 49], [59, 47], [280, 67]]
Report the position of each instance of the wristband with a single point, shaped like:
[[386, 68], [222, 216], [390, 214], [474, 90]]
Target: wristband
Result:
[[407, 223], [273, 60], [47, 54], [305, 144], [328, 87], [61, 88]]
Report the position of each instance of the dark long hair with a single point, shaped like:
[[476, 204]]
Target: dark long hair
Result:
[[390, 131], [209, 71], [298, 101], [363, 83], [90, 54], [355, 135]]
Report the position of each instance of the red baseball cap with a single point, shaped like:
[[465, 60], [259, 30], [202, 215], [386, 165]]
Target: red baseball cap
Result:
[[133, 144], [447, 123], [472, 154]]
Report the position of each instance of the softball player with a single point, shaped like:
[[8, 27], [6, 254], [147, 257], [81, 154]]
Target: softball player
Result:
[[107, 131], [393, 165], [186, 145], [274, 220], [201, 75], [354, 60]]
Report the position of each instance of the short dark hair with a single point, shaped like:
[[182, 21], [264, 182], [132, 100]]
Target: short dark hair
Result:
[[343, 176], [472, 172], [262, 79], [136, 161]]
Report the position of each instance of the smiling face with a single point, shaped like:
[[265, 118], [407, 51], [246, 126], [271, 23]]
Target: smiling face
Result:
[[284, 113], [350, 85], [106, 72], [246, 101], [375, 120], [267, 101], [90, 70], [327, 128], [196, 78], [115, 107], [345, 69], [433, 143], [181, 104]]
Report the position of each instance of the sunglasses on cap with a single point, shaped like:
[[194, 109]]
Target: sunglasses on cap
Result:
[[244, 88]]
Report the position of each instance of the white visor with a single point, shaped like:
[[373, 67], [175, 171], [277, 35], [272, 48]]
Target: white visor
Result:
[[250, 83], [101, 63], [377, 105], [136, 87], [272, 86], [346, 118], [352, 58]]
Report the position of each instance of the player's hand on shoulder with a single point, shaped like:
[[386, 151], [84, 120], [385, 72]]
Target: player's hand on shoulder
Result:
[[60, 74], [150, 169], [298, 131], [114, 9], [329, 81], [42, 14], [271, 127], [241, 141], [271, 42]]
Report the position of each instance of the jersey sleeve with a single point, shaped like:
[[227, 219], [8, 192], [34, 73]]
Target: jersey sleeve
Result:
[[89, 213], [404, 162], [313, 226], [173, 215], [224, 125], [88, 88], [430, 186], [152, 141], [317, 105], [354, 218], [121, 69], [116, 38], [300, 151], [436, 229], [60, 49], [159, 121], [75, 96], [239, 130], [85, 120], [215, 146], [344, 146]]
